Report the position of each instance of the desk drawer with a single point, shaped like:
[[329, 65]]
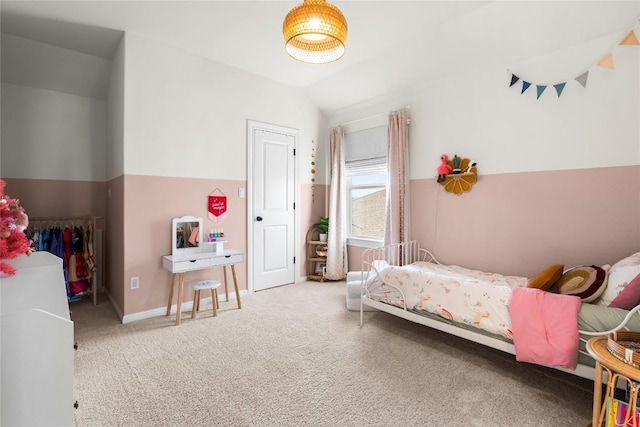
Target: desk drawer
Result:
[[227, 260], [195, 264]]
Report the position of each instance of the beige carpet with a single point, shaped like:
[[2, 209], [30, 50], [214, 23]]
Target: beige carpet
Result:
[[294, 356]]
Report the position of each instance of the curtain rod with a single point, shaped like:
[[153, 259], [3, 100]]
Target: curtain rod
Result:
[[360, 120], [366, 118]]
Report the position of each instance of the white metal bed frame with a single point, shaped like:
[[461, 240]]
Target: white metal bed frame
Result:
[[409, 252]]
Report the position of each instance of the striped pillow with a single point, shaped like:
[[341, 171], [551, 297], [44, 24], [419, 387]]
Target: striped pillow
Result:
[[586, 282]]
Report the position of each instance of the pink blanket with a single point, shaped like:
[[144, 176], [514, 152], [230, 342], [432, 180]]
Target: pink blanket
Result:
[[545, 327]]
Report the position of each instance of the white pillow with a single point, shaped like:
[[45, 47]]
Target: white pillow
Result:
[[619, 275], [381, 264]]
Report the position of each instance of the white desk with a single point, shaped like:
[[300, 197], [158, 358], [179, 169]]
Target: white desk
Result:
[[180, 264]]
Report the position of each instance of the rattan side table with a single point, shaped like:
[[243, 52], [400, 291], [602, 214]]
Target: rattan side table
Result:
[[616, 369]]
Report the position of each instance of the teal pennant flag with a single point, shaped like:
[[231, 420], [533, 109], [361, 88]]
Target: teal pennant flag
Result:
[[525, 86], [559, 88], [540, 89], [514, 79]]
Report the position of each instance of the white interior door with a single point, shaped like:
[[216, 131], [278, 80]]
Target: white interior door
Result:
[[273, 208]]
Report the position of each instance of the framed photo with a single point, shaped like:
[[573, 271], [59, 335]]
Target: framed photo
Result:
[[321, 268]]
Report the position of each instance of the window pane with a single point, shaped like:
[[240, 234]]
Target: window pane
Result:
[[378, 178], [367, 188], [368, 212]]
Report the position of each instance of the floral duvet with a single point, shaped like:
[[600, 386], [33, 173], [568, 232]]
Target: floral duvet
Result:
[[466, 296]]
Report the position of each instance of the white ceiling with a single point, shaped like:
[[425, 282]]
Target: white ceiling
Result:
[[392, 47]]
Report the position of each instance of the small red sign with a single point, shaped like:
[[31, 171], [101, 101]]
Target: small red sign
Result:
[[217, 209]]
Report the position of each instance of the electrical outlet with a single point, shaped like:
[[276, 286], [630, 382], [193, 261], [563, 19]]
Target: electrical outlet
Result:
[[135, 282]]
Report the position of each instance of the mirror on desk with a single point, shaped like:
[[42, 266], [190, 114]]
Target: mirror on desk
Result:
[[186, 235]]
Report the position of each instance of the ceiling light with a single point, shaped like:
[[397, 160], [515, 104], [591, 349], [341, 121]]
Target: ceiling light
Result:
[[315, 32]]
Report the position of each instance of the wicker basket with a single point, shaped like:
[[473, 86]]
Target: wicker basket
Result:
[[625, 345]]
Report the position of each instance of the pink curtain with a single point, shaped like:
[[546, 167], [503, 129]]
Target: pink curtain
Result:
[[337, 265], [397, 219]]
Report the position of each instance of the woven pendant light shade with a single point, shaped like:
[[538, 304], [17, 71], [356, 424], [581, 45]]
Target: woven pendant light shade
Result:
[[315, 32]]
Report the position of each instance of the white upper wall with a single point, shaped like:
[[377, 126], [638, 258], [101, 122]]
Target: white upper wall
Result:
[[167, 104], [115, 115], [167, 113], [52, 135], [30, 63], [186, 116], [470, 110], [54, 116]]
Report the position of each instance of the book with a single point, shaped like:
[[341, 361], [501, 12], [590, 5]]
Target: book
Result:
[[612, 409], [617, 412]]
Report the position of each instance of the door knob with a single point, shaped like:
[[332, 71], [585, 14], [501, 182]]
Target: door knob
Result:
[[258, 218]]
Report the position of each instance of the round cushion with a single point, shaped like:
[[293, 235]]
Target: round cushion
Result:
[[587, 282], [205, 284]]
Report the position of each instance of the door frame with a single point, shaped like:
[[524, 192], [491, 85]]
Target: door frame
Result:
[[255, 125]]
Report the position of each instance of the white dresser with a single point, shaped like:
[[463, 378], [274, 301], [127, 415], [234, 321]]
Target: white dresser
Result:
[[37, 348]]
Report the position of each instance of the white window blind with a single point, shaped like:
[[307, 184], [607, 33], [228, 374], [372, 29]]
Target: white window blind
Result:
[[367, 147]]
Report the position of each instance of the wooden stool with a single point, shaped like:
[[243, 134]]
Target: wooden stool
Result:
[[205, 284]]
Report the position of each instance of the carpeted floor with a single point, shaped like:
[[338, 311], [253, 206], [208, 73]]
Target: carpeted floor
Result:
[[295, 356]]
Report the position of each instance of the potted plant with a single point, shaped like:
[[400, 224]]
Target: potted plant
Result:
[[323, 227]]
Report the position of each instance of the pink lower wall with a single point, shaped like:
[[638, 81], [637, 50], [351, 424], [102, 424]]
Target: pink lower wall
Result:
[[48, 197], [136, 214], [520, 223], [150, 204], [509, 223], [61, 198], [354, 254], [114, 243]]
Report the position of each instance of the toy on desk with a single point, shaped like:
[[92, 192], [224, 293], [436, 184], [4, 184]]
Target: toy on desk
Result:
[[216, 235], [216, 238]]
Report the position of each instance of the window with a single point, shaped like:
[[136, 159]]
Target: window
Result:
[[366, 173], [367, 202]]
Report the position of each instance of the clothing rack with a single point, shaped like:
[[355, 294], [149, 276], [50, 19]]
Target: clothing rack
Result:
[[72, 221]]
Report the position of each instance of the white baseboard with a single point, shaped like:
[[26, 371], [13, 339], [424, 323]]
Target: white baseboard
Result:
[[114, 305], [161, 311]]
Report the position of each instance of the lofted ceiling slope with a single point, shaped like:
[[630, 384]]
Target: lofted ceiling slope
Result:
[[393, 46]]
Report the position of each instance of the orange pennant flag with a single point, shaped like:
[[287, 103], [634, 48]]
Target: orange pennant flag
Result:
[[607, 61], [631, 39]]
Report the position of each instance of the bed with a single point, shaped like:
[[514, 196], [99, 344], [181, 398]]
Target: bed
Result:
[[508, 313]]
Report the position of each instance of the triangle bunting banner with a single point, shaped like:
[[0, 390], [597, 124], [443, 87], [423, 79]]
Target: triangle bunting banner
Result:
[[607, 62], [582, 78], [559, 88], [630, 40]]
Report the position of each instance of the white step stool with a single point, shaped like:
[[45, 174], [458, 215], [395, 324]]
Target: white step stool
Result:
[[199, 286]]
